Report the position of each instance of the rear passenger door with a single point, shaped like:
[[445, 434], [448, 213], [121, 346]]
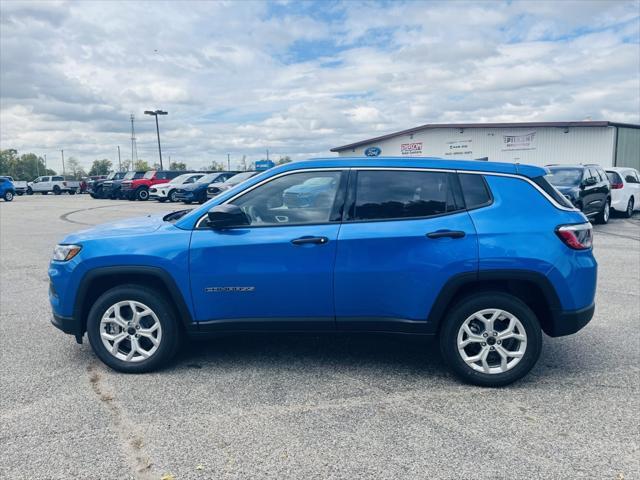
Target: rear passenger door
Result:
[[406, 233]]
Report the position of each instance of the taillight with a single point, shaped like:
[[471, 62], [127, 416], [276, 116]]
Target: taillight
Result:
[[617, 186], [577, 237]]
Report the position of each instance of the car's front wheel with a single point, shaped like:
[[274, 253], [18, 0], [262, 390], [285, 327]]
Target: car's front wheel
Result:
[[142, 194], [29, 191], [8, 196], [173, 196], [132, 329], [490, 339]]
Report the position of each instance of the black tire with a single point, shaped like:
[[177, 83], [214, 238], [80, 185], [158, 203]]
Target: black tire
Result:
[[29, 191], [605, 213], [142, 194], [171, 331], [19, 193], [172, 196], [72, 192], [161, 199], [8, 196], [465, 308], [56, 190], [628, 213], [187, 202]]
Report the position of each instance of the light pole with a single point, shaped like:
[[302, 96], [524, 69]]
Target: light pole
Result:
[[155, 114], [119, 160]]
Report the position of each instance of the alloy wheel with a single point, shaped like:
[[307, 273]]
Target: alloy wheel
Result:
[[130, 331], [606, 212], [492, 341]]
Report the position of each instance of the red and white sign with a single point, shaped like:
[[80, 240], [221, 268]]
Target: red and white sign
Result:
[[411, 148]]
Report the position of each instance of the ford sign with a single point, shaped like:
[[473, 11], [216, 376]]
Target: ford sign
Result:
[[373, 151]]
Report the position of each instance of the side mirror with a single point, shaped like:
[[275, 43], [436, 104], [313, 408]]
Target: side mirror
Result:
[[226, 216]]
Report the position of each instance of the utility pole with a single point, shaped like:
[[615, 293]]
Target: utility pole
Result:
[[228, 162], [45, 163], [119, 160], [37, 167], [267, 154], [134, 146], [62, 151]]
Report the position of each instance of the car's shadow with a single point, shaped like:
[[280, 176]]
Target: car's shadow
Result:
[[370, 351]]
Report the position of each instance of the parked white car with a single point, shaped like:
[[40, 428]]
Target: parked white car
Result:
[[625, 189], [56, 184], [167, 191]]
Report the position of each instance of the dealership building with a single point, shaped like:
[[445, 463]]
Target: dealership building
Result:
[[539, 143]]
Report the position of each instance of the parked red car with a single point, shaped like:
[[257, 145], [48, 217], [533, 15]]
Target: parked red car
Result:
[[139, 189]]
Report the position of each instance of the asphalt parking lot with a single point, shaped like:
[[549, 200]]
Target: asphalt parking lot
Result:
[[306, 406]]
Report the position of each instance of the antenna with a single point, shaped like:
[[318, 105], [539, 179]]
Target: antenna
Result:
[[134, 146]]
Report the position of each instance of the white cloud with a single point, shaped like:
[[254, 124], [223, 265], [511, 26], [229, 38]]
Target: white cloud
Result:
[[299, 78]]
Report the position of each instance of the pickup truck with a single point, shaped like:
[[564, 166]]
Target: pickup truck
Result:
[[56, 184], [138, 189], [20, 186]]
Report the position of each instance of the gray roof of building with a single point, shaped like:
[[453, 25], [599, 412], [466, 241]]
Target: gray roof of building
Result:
[[487, 125]]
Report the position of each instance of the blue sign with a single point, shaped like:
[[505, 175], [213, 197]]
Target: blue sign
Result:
[[372, 151], [264, 165]]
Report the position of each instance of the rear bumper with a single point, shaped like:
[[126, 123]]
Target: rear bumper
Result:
[[569, 322], [68, 325]]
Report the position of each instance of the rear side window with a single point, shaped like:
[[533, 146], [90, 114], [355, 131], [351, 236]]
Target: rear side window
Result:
[[475, 190], [631, 177], [383, 194], [552, 191], [58, 179]]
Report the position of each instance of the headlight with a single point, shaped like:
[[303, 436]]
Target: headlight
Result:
[[64, 253]]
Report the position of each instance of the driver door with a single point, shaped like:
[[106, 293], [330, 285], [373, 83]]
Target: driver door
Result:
[[278, 271]]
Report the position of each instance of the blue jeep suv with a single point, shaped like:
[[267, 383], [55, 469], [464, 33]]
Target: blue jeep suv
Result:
[[485, 255]]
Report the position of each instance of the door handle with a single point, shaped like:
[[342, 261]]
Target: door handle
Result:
[[310, 240], [446, 233]]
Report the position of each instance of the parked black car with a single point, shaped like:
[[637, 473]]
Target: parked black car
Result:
[[197, 191], [112, 188], [587, 187], [217, 188], [94, 187]]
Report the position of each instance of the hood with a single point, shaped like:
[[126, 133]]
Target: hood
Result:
[[190, 187], [132, 226]]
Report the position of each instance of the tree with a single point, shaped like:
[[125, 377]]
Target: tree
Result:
[[24, 167], [74, 168], [177, 166], [100, 167], [285, 159], [214, 167], [141, 165]]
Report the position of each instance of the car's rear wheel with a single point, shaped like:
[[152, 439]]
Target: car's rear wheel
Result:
[[132, 329], [605, 213], [628, 213], [56, 190], [8, 196], [490, 339], [29, 191]]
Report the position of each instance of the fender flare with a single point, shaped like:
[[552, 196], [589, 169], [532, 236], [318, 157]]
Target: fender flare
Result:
[[158, 273]]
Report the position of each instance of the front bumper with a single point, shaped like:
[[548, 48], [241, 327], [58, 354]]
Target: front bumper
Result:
[[186, 197], [569, 322], [68, 325]]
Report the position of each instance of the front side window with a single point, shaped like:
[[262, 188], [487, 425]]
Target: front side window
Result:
[[149, 175], [295, 199], [385, 194]]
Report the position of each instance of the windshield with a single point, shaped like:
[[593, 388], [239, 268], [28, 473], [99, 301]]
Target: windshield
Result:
[[240, 177], [129, 175], [180, 179], [111, 176], [565, 177], [149, 174], [208, 178]]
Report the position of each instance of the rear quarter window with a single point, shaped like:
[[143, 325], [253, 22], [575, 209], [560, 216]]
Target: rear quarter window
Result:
[[552, 191], [475, 190], [614, 177]]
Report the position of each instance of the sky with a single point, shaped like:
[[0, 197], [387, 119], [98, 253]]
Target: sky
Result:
[[298, 78]]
